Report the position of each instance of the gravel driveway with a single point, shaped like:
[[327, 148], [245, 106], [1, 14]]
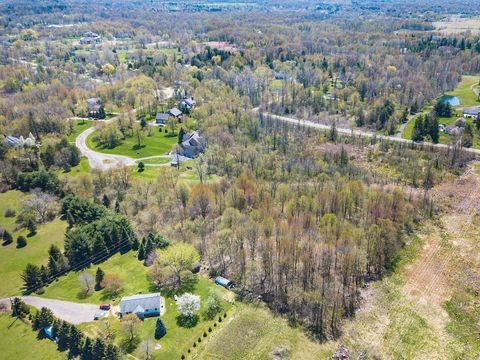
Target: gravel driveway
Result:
[[72, 312]]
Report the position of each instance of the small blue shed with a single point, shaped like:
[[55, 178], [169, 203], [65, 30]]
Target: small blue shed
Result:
[[48, 330], [219, 280]]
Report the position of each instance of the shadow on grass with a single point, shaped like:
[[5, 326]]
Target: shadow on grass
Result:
[[138, 147], [187, 321], [188, 285]]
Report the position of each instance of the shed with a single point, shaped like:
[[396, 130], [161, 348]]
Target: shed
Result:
[[219, 280], [48, 330]]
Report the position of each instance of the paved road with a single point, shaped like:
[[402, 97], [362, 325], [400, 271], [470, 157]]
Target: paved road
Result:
[[72, 312], [362, 133], [97, 160], [404, 125]]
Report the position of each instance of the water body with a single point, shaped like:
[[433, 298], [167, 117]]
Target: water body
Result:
[[452, 100]]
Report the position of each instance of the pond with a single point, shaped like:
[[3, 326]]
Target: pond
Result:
[[452, 100]]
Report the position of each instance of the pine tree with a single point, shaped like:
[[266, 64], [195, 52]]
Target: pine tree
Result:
[[75, 341], [53, 257], [106, 201], [418, 129], [7, 237], [32, 278], [63, 335], [112, 353], [117, 206], [181, 133], [99, 348], [160, 329], [99, 275], [87, 351]]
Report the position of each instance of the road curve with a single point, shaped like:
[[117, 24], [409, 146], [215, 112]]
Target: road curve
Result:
[[354, 132]]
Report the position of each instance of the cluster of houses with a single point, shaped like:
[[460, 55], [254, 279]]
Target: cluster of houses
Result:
[[185, 106], [457, 128], [90, 38]]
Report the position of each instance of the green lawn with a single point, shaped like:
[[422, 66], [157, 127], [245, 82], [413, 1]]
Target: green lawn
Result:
[[464, 91], [134, 276], [157, 144], [79, 126], [126, 266], [254, 332], [156, 161], [18, 341], [13, 260]]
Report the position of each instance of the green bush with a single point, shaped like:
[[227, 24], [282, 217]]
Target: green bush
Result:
[[21, 241]]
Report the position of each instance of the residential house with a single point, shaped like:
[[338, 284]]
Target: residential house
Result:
[[142, 305], [192, 145], [93, 106], [161, 118], [175, 113], [471, 112], [452, 130], [20, 142], [187, 104], [90, 38]]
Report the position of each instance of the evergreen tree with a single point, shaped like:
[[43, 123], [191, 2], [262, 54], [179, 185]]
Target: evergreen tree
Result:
[[87, 350], [160, 329], [99, 249], [467, 135], [101, 112], [181, 134], [418, 129], [99, 275], [7, 237], [112, 353], [106, 201], [63, 335], [99, 348], [44, 317], [21, 242], [19, 308], [75, 341], [32, 278], [333, 134], [117, 206], [54, 254], [141, 166]]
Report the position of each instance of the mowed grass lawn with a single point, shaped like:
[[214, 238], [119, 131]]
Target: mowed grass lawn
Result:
[[159, 143], [79, 127], [13, 260], [464, 91], [18, 341]]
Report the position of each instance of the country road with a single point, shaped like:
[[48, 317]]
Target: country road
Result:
[[354, 132], [404, 125]]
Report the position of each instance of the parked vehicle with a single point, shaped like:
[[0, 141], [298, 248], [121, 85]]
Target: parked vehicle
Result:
[[105, 307]]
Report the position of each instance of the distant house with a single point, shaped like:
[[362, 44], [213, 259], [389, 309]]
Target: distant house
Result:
[[187, 104], [93, 106], [219, 280], [452, 130], [20, 142], [175, 112], [122, 35], [192, 145], [471, 112], [143, 305], [280, 75], [161, 118], [90, 38]]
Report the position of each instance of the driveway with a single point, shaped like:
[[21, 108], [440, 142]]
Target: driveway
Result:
[[72, 312]]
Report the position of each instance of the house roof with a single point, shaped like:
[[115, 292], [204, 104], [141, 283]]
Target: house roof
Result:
[[473, 110], [190, 102], [162, 116], [139, 303], [175, 112]]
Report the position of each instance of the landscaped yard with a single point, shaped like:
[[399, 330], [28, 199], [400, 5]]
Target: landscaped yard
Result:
[[79, 127], [159, 143], [19, 341], [13, 260]]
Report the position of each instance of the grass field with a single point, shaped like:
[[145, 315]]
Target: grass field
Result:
[[156, 161], [13, 260], [157, 144], [464, 91], [19, 341], [253, 332], [79, 126]]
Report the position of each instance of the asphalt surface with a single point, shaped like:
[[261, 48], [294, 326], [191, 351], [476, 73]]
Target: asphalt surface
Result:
[[362, 133], [72, 312]]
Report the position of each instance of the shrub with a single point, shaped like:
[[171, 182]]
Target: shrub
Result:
[[204, 334], [194, 344], [9, 213], [189, 351], [183, 357], [21, 241], [199, 340], [7, 237], [225, 315], [220, 319], [215, 325], [160, 329], [209, 329]]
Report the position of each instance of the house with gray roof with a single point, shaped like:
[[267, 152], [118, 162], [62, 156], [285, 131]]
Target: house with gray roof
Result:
[[471, 112], [192, 145], [161, 118], [142, 305], [175, 112]]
